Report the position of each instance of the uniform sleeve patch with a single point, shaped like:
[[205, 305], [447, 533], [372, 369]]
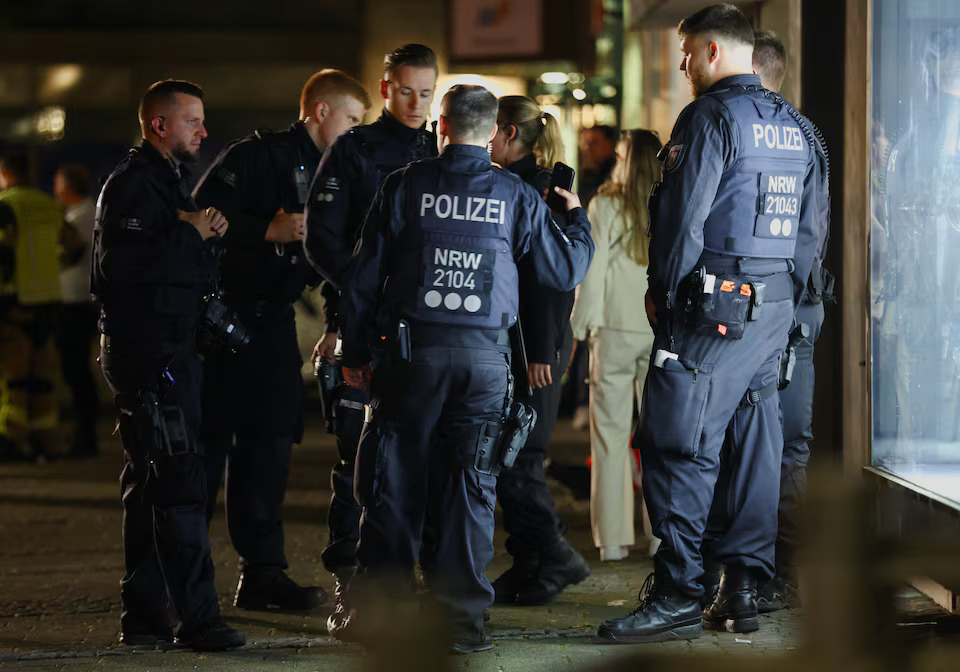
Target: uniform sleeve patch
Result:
[[675, 156], [228, 177]]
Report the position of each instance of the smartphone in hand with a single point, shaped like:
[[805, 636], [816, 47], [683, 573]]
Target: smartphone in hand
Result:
[[563, 178]]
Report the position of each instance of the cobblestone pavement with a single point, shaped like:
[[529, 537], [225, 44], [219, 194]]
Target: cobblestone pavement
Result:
[[60, 563]]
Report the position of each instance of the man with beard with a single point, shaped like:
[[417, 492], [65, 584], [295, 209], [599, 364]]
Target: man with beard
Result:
[[733, 242], [152, 263]]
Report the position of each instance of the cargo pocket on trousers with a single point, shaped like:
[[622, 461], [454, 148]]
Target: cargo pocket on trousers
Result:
[[674, 405]]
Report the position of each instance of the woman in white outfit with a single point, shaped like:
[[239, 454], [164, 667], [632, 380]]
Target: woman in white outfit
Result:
[[609, 309]]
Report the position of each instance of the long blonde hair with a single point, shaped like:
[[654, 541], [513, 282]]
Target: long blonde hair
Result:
[[537, 131], [636, 171]]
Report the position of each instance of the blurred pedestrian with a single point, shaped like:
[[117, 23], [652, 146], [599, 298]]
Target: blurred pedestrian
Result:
[[620, 337], [77, 316], [30, 225]]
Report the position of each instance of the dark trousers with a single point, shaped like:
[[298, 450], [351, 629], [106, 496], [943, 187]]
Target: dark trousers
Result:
[[253, 404], [796, 403], [165, 544], [688, 411], [76, 334], [416, 464], [529, 512], [343, 520]]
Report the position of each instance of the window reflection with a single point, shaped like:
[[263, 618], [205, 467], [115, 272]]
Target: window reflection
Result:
[[915, 242]]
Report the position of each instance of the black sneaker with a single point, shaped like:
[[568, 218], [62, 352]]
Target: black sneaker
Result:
[[472, 645], [217, 637], [551, 577], [776, 594], [264, 589], [663, 615]]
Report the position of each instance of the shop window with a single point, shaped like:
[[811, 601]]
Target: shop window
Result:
[[915, 242]]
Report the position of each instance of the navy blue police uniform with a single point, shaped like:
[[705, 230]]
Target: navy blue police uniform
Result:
[[149, 272], [253, 399], [736, 200], [796, 400], [340, 196], [544, 562], [447, 232]]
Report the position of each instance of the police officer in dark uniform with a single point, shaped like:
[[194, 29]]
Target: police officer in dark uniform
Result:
[[796, 400], [340, 197], [734, 236], [151, 265], [544, 563], [444, 235], [253, 399]]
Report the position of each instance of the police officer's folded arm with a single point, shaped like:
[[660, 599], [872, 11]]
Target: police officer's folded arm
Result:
[[139, 241], [361, 296], [701, 144], [328, 210], [230, 185], [560, 260]]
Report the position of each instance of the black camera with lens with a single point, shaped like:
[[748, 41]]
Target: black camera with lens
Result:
[[219, 326]]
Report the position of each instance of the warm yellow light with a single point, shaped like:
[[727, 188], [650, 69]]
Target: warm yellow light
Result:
[[498, 86], [554, 78], [60, 78]]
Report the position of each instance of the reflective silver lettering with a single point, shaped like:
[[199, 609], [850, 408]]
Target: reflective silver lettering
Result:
[[492, 211], [426, 201], [476, 215], [443, 199], [456, 202]]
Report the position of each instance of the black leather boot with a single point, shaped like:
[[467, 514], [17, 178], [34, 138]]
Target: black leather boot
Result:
[[559, 567], [735, 607], [663, 615], [522, 572], [216, 637], [262, 589], [341, 609]]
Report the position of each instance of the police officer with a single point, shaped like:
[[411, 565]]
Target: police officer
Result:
[[151, 265], [796, 400], [253, 399], [733, 241], [544, 563], [447, 232], [340, 197]]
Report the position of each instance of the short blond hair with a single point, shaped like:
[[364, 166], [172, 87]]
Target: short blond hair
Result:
[[324, 85]]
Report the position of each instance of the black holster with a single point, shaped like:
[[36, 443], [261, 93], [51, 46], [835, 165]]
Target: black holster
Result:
[[160, 425], [500, 442], [788, 359], [329, 378]]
